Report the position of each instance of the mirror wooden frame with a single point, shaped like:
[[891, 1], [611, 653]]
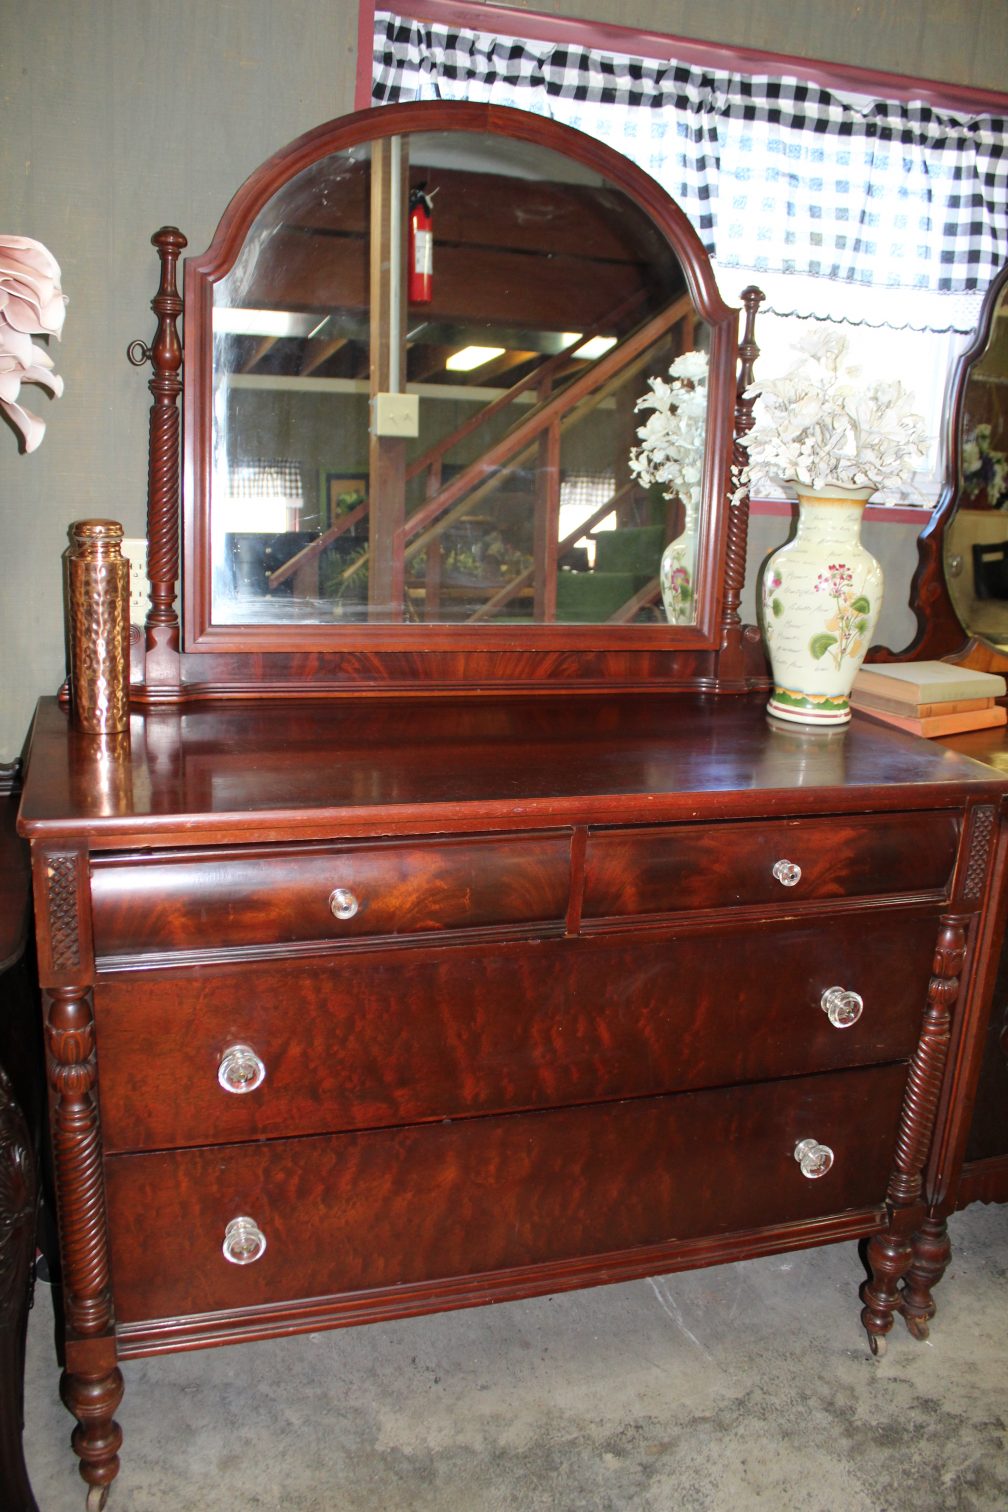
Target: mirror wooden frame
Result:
[[940, 632], [198, 658]]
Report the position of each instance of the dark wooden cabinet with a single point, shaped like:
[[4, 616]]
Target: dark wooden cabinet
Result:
[[394, 961], [567, 1030]]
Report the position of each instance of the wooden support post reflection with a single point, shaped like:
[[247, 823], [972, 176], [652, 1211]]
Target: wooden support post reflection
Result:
[[386, 454]]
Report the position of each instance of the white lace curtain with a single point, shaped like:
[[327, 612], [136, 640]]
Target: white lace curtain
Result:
[[839, 206]]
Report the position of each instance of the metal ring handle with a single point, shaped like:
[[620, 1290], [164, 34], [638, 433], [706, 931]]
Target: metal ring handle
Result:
[[244, 1241], [841, 1006], [240, 1069]]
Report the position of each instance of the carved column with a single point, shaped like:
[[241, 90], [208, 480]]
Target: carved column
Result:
[[890, 1253], [731, 667], [163, 498], [91, 1385]]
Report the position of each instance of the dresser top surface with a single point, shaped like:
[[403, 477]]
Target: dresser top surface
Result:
[[198, 774]]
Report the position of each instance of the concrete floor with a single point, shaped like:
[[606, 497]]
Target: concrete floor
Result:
[[743, 1387]]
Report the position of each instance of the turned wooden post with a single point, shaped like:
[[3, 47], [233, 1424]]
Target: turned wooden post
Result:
[[163, 500], [730, 661], [890, 1254]]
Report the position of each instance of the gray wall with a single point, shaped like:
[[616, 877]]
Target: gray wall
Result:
[[122, 115]]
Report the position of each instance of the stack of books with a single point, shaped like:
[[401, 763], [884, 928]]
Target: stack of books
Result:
[[930, 697]]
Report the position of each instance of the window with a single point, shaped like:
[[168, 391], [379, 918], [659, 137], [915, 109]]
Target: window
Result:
[[889, 214]]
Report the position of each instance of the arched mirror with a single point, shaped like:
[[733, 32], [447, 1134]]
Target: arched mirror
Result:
[[413, 358], [976, 538]]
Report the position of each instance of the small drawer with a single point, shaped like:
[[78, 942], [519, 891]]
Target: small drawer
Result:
[[334, 1216], [211, 900], [393, 1037], [669, 870]]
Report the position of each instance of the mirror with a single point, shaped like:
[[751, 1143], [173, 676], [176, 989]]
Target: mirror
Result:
[[414, 360], [976, 540]]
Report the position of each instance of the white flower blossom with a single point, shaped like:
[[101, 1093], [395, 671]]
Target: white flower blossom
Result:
[[31, 304], [822, 423], [672, 437]]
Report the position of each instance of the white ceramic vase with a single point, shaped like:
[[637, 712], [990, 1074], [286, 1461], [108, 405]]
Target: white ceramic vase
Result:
[[821, 596], [677, 573]]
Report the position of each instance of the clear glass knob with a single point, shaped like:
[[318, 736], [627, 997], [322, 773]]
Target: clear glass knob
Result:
[[240, 1069], [343, 903], [788, 874], [814, 1158], [244, 1241], [841, 1007]]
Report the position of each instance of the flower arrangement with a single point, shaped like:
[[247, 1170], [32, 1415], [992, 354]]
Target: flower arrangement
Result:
[[672, 438], [31, 304], [823, 424]]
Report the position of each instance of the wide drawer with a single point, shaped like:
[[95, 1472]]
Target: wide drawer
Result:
[[391, 1037], [667, 870], [393, 1207], [208, 900]]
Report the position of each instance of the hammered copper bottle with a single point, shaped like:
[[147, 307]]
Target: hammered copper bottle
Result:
[[97, 595]]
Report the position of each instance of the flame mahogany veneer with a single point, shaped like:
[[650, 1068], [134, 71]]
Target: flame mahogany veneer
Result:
[[571, 1034]]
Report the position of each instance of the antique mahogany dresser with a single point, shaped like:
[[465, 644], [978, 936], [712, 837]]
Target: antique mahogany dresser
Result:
[[452, 924]]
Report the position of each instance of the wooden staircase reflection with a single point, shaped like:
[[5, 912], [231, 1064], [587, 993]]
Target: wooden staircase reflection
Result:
[[620, 585]]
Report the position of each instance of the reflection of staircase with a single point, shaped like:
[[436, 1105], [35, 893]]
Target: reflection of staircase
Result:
[[622, 586], [626, 561]]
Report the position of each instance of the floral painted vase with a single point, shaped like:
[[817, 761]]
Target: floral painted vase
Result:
[[678, 572], [821, 597]]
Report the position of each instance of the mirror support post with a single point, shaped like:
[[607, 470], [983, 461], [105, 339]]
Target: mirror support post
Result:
[[731, 660], [386, 454], [165, 356]]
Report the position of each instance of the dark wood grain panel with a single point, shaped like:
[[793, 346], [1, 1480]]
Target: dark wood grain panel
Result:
[[710, 866], [273, 896], [391, 1207], [231, 773], [362, 1041]]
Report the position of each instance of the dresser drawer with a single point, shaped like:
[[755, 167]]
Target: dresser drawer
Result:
[[668, 870], [266, 896], [391, 1037], [398, 1206]]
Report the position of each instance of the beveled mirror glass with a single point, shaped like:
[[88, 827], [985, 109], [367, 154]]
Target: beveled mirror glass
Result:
[[383, 443], [976, 540]]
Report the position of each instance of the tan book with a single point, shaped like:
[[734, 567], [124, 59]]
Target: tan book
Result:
[[871, 701], [943, 724], [927, 682]]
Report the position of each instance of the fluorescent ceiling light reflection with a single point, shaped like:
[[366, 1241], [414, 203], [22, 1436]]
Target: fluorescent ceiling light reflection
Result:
[[467, 358], [239, 322], [591, 349]]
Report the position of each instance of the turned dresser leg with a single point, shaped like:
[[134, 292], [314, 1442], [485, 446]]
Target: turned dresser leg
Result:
[[93, 1399], [931, 1255], [889, 1256]]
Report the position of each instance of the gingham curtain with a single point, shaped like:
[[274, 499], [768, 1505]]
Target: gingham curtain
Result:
[[882, 204], [266, 478]]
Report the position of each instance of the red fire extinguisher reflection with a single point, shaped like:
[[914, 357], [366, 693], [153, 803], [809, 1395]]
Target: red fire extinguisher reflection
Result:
[[420, 249]]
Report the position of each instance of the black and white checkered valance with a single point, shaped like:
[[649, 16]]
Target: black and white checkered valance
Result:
[[778, 175], [266, 478]]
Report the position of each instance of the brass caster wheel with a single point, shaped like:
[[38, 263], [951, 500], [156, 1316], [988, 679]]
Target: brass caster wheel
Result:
[[919, 1328], [96, 1498], [877, 1343]]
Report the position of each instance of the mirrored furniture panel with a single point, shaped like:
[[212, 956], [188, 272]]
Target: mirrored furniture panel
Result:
[[381, 461]]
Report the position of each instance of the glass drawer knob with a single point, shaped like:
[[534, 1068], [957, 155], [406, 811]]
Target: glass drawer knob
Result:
[[240, 1069], [788, 874], [343, 903], [841, 1007], [244, 1241], [814, 1158]]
